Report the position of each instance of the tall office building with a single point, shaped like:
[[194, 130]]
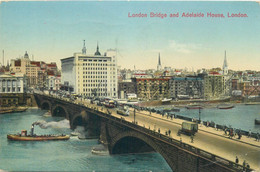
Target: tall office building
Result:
[[90, 75]]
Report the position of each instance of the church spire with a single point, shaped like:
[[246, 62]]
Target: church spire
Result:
[[97, 53], [159, 66], [225, 65], [159, 62], [84, 48]]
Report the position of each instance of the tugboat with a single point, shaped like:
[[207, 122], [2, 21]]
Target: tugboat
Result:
[[33, 137]]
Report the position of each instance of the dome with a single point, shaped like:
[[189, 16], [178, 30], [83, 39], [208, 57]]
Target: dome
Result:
[[26, 55]]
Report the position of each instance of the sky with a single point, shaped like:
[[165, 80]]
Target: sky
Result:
[[52, 30]]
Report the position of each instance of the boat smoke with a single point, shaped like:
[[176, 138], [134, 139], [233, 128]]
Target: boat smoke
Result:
[[80, 132], [60, 124], [80, 129], [47, 114]]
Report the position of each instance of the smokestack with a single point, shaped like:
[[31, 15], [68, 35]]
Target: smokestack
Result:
[[32, 129]]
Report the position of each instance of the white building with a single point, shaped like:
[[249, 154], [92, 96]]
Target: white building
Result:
[[12, 83], [53, 82], [91, 75]]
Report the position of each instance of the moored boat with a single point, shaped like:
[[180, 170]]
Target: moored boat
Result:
[[165, 100], [99, 152], [194, 107], [74, 133], [257, 121], [227, 106], [252, 103], [20, 109], [171, 109]]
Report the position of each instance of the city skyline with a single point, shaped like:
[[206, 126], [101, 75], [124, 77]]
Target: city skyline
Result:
[[51, 31]]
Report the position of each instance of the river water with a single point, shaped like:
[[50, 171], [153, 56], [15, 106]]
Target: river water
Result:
[[70, 155], [75, 154], [240, 117]]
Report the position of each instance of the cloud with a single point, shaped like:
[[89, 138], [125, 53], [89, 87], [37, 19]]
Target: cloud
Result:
[[183, 48]]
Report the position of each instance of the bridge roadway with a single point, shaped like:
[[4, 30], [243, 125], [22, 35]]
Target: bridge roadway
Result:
[[207, 139]]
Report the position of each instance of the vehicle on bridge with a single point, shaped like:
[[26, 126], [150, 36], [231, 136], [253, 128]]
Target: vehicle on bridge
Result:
[[123, 110], [109, 104], [189, 128]]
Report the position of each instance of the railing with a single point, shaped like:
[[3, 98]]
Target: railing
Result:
[[186, 147]]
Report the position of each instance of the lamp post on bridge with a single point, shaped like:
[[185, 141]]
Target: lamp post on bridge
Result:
[[134, 114], [199, 114]]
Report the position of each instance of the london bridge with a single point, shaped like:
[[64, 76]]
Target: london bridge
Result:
[[143, 131]]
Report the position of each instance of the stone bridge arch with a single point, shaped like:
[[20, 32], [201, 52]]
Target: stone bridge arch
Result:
[[46, 105], [60, 110], [136, 136], [81, 119]]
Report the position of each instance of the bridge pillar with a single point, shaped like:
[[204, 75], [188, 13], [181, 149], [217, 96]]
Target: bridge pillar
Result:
[[104, 138]]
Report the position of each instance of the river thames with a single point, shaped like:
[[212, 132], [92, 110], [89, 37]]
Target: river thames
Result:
[[75, 154], [71, 155], [240, 117]]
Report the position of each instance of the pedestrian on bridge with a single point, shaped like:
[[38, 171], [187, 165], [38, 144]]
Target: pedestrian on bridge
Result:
[[225, 130], [244, 165], [257, 137], [248, 167], [249, 134], [234, 132], [237, 160], [169, 132], [239, 135], [230, 133], [192, 137]]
